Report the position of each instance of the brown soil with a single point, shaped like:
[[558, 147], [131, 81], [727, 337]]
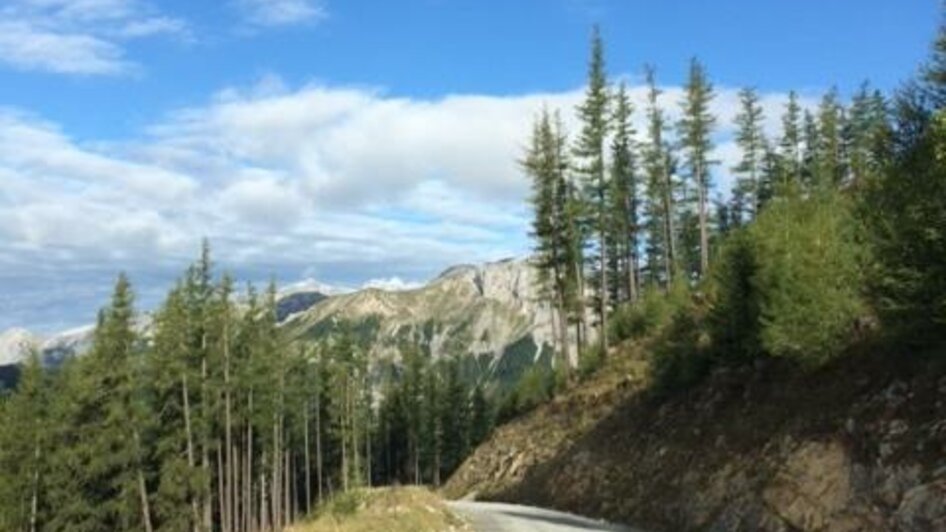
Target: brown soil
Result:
[[857, 445]]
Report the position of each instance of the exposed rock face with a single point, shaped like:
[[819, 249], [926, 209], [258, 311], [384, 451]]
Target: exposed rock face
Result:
[[489, 313], [14, 345], [858, 446]]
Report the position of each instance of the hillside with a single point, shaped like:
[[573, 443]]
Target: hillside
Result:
[[486, 314], [857, 445]]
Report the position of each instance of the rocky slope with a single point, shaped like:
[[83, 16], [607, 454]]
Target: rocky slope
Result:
[[858, 445], [487, 314]]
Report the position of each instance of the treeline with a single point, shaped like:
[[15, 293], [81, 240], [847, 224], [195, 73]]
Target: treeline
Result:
[[835, 228], [211, 419]]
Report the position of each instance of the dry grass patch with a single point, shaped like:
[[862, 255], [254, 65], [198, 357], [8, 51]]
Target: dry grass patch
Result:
[[405, 509]]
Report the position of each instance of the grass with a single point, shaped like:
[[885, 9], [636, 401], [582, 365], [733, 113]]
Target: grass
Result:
[[402, 509]]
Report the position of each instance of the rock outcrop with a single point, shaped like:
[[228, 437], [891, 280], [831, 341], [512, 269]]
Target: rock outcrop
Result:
[[859, 445]]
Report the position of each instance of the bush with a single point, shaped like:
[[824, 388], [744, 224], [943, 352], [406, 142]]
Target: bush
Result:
[[905, 209], [806, 275], [680, 359], [733, 320], [652, 312]]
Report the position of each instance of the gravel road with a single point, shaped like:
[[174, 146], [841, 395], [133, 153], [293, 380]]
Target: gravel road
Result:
[[500, 517]]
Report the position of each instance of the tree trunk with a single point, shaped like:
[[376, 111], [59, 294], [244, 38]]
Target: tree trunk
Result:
[[34, 497], [229, 492], [670, 252], [318, 442], [308, 468], [191, 462], [221, 493], [142, 489], [205, 451], [704, 232]]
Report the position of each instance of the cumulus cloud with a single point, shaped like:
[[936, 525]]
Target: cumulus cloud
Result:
[[78, 36], [348, 185], [282, 12], [392, 284]]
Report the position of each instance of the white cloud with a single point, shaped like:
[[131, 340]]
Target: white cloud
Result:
[[78, 36], [392, 284], [282, 12], [343, 184]]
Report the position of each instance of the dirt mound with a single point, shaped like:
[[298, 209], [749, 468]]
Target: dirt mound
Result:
[[857, 445]]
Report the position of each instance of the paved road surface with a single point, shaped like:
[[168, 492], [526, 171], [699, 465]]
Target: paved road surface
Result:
[[499, 517]]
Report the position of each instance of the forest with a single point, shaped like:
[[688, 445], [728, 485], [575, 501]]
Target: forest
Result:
[[833, 235]]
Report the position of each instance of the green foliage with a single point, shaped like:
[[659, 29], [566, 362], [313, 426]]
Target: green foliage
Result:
[[734, 320], [905, 210], [651, 313], [681, 358], [809, 277]]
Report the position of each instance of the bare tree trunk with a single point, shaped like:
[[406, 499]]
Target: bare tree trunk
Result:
[[308, 468], [249, 519], [205, 452], [264, 503], [603, 289], [142, 489], [287, 487], [221, 493], [704, 233], [275, 483], [670, 249], [191, 462], [229, 515], [34, 498], [318, 441]]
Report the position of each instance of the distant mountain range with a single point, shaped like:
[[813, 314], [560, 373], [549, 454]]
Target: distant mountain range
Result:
[[486, 314]]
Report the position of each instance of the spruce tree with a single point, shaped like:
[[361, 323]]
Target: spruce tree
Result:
[[625, 197], [790, 143], [829, 153], [660, 209], [751, 141], [590, 165], [25, 445], [695, 128]]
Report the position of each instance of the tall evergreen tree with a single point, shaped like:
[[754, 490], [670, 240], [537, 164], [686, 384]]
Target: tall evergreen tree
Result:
[[695, 127], [829, 153], [25, 445], [625, 198], [590, 165], [660, 208], [790, 143], [751, 141]]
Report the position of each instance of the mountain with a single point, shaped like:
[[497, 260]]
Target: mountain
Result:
[[13, 345], [487, 314]]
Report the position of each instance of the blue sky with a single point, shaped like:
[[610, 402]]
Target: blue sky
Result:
[[349, 141]]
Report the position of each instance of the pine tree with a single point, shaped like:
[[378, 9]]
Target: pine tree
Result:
[[545, 164], [625, 198], [590, 165], [25, 445], [102, 432], [790, 143], [695, 129], [751, 141], [660, 208], [829, 153]]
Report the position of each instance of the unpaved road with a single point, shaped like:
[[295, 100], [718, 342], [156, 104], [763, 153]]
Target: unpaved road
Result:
[[499, 517]]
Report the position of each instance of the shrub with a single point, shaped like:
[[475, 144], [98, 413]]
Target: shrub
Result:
[[652, 312], [733, 320], [806, 278]]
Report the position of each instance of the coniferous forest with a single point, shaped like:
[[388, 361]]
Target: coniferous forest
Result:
[[834, 234], [215, 422]]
